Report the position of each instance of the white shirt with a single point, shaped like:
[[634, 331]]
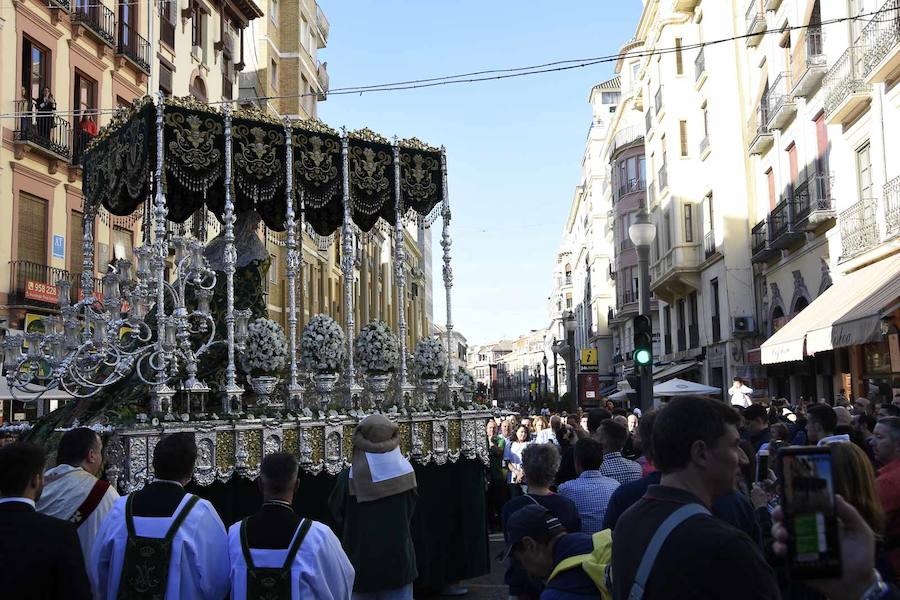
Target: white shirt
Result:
[[21, 499], [833, 439], [740, 395], [321, 570], [198, 568], [65, 488], [545, 436]]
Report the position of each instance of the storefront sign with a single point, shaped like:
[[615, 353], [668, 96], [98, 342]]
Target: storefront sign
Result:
[[40, 291]]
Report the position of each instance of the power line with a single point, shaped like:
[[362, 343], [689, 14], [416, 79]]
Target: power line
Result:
[[490, 74]]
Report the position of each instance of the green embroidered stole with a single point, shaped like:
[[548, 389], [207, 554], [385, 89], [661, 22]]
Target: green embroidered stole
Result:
[[145, 571], [271, 583]]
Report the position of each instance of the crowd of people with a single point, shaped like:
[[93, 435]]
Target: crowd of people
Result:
[[583, 507], [64, 533]]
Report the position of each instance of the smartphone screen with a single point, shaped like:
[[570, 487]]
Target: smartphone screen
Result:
[[808, 502], [762, 466]]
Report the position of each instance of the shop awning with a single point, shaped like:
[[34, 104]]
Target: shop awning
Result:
[[672, 370], [680, 387], [845, 314], [878, 289], [6, 394]]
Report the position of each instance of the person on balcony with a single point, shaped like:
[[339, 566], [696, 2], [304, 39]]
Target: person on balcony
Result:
[[46, 109]]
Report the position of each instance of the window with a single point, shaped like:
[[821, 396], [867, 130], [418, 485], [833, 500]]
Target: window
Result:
[[273, 269], [667, 329], [693, 327], [610, 97], [167, 20], [273, 11], [716, 318], [568, 300], [196, 25], [864, 171], [682, 340], [821, 145], [122, 242], [32, 229], [792, 163], [682, 129], [667, 229], [688, 222], [35, 68], [165, 79], [679, 60], [704, 109], [664, 152], [770, 179], [76, 236], [635, 67], [710, 215], [84, 101], [273, 77]]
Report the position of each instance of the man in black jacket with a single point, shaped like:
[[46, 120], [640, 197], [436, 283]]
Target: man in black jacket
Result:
[[42, 554]]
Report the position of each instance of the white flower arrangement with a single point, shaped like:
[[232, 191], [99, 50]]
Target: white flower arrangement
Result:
[[376, 349], [322, 345], [430, 360], [465, 379], [266, 350]]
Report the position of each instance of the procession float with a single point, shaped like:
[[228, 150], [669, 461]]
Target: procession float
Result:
[[181, 340]]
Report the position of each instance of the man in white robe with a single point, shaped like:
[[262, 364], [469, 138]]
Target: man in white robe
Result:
[[72, 491], [197, 565], [318, 570]]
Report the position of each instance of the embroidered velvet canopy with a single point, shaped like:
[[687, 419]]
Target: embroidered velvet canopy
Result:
[[121, 161]]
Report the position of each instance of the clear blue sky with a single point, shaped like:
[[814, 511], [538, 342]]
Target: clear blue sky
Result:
[[514, 147]]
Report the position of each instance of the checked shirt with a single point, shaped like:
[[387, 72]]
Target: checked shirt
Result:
[[620, 468], [590, 493]]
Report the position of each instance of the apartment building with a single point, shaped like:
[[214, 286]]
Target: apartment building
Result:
[[482, 362], [582, 295], [519, 372], [458, 347], [827, 250]]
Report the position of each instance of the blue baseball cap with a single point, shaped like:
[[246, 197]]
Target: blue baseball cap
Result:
[[532, 521]]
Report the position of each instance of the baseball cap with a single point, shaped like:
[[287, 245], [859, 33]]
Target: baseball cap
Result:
[[533, 521]]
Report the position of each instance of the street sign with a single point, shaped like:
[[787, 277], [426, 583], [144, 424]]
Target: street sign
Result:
[[589, 357]]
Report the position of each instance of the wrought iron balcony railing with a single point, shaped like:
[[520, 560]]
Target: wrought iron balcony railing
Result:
[[892, 207], [709, 244], [859, 228], [845, 78], [34, 283], [46, 130], [134, 47], [97, 18], [755, 19], [813, 195], [809, 62], [881, 35], [780, 102], [632, 185], [699, 64], [781, 220], [760, 238]]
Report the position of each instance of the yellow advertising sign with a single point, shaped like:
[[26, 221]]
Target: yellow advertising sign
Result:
[[589, 357]]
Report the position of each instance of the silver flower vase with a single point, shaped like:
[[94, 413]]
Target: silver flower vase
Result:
[[324, 384], [377, 384], [264, 386], [430, 387]]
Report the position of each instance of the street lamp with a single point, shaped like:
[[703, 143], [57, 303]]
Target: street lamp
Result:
[[571, 371], [642, 233], [546, 382], [555, 347]]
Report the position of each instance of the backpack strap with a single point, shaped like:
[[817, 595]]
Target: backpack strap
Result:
[[656, 543], [245, 547], [302, 530], [173, 529], [530, 497]]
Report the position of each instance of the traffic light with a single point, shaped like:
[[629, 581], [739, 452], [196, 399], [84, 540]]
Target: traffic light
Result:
[[643, 341]]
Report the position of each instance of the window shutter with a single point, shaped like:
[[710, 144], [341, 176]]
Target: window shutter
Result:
[[682, 125], [32, 242], [76, 249]]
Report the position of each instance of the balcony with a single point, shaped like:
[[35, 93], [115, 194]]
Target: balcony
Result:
[[676, 273], [772, 4], [625, 138], [892, 207], [846, 92], [47, 133], [324, 80], [167, 32], [859, 228], [781, 103], [881, 38], [809, 64], [760, 250], [662, 178], [700, 68], [813, 204], [756, 23], [34, 284], [134, 47], [630, 186], [97, 19], [709, 244], [761, 138], [782, 230], [322, 24], [703, 149]]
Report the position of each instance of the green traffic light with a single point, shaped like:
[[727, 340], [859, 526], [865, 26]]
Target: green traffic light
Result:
[[642, 357]]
